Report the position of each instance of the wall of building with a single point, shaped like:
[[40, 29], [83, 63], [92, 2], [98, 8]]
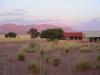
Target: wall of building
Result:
[[93, 36]]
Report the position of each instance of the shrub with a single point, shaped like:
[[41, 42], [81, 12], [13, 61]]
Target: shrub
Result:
[[66, 50], [98, 66], [85, 49], [33, 45], [98, 58], [11, 35], [31, 50], [55, 41], [45, 55], [23, 49], [21, 55], [82, 66], [56, 61], [33, 68], [47, 59], [42, 52], [97, 48]]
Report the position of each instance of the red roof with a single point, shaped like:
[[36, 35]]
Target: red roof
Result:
[[73, 34]]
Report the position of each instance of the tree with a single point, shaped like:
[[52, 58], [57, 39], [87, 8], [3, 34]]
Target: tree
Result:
[[11, 35], [33, 32], [52, 34]]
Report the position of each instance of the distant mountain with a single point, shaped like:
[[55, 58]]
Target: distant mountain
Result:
[[22, 29], [19, 21], [91, 25]]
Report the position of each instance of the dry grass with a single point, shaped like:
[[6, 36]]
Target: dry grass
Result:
[[83, 66], [86, 49], [20, 38], [51, 54], [21, 54]]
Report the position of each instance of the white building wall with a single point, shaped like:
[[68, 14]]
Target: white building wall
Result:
[[93, 34]]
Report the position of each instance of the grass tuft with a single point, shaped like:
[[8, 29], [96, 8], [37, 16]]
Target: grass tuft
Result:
[[98, 58], [98, 66], [82, 66], [85, 49], [21, 55], [56, 61], [33, 67]]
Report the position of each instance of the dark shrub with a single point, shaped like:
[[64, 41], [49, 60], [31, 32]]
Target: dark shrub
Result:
[[42, 52], [6, 36], [33, 67], [21, 56], [98, 66], [85, 49], [66, 50], [82, 66], [33, 32], [11, 35], [33, 45], [98, 58], [56, 61]]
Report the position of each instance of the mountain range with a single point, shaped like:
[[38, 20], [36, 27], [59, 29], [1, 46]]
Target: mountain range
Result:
[[91, 25], [20, 22], [22, 29]]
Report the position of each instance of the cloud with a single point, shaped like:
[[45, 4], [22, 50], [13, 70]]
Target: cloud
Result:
[[16, 12], [21, 16]]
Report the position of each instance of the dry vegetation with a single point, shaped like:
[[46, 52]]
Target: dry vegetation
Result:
[[19, 38], [68, 56]]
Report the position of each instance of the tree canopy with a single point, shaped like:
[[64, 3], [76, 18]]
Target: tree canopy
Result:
[[11, 34], [51, 34], [33, 32]]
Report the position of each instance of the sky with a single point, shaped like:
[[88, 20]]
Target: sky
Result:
[[66, 11]]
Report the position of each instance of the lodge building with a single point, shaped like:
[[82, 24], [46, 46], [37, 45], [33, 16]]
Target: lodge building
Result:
[[73, 35], [85, 36], [92, 36]]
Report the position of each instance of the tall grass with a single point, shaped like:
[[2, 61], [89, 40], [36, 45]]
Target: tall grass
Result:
[[33, 68], [82, 66], [21, 55], [85, 49]]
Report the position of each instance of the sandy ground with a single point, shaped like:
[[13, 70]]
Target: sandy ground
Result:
[[9, 64]]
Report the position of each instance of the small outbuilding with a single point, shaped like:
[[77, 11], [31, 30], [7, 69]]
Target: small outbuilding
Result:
[[92, 36], [73, 35]]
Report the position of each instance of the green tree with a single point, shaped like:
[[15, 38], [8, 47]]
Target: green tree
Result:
[[11, 35], [52, 34], [33, 32]]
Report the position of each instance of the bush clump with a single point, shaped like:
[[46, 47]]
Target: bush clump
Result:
[[33, 67], [33, 45], [98, 66], [47, 59], [55, 41], [30, 50], [85, 49], [98, 58], [66, 50], [82, 66], [56, 61], [21, 55]]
